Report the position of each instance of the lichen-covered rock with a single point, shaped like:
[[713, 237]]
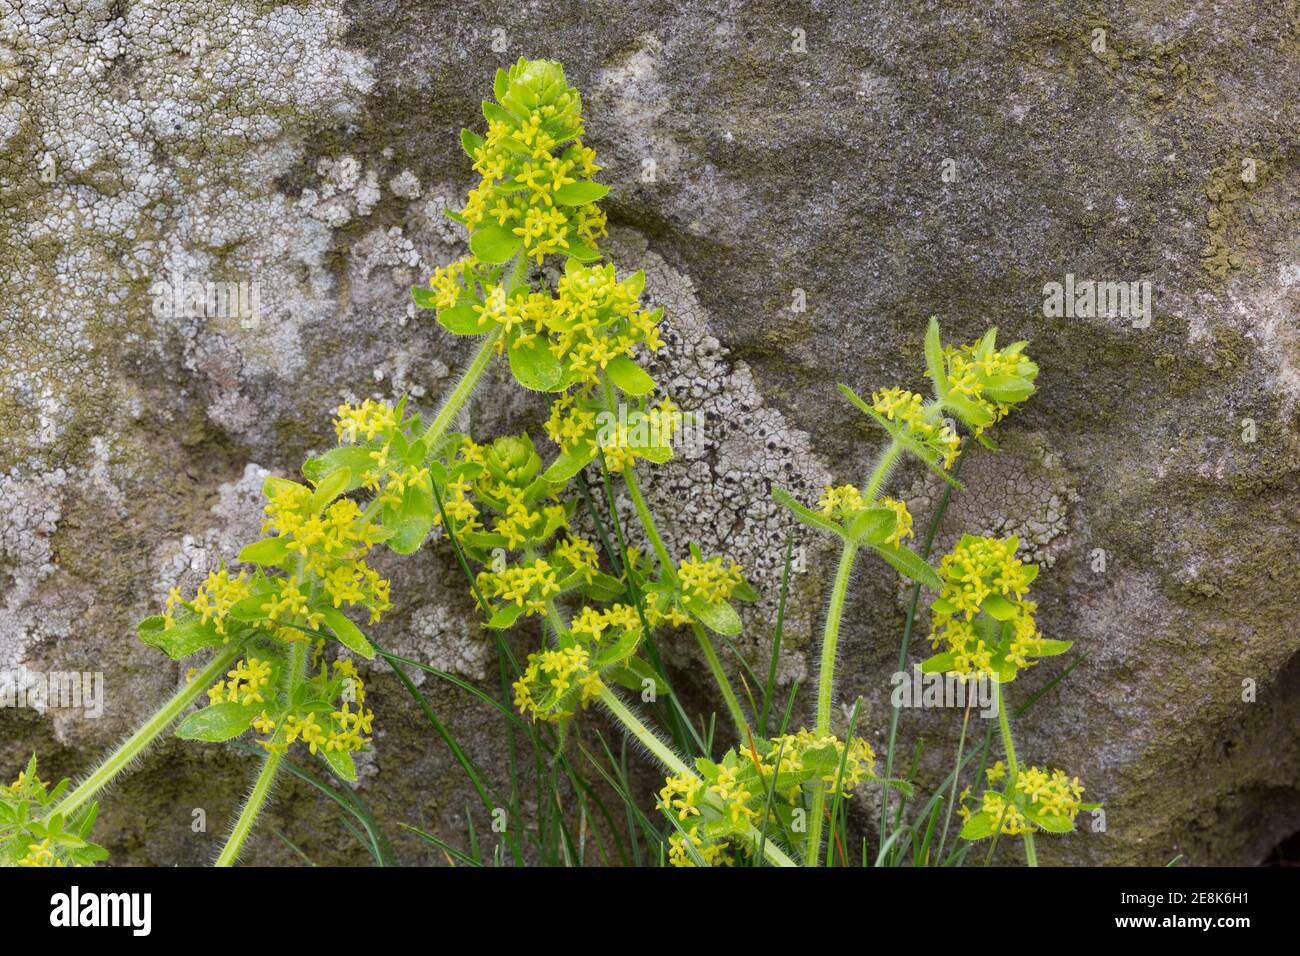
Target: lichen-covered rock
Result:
[[804, 187]]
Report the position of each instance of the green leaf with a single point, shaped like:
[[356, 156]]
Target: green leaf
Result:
[[218, 722], [909, 564], [330, 487], [569, 464], [423, 297], [805, 515], [620, 650], [940, 663], [969, 412], [721, 618], [873, 525], [412, 519], [500, 84], [634, 672], [182, 639], [934, 364], [581, 251], [629, 377], [341, 763], [1008, 388], [349, 634], [470, 142], [494, 244], [579, 193], [494, 113], [534, 366], [268, 551], [979, 826], [356, 460], [1050, 648], [602, 587], [1053, 822], [999, 608], [506, 616], [461, 320]]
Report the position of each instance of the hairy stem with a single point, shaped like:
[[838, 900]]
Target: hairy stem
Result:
[[648, 522], [831, 636], [724, 684], [1008, 745], [464, 388], [252, 807], [666, 756], [163, 718], [670, 573], [825, 686]]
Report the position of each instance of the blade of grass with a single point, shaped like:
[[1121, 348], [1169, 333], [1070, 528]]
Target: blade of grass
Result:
[[770, 687]]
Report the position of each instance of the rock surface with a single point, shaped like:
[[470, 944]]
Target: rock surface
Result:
[[805, 185]]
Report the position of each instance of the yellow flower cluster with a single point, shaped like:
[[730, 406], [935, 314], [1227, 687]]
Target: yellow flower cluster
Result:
[[843, 503], [795, 750], [712, 852], [1052, 793], [528, 585], [331, 545], [908, 409], [549, 682], [343, 730], [592, 319], [357, 423], [969, 372], [709, 581], [26, 830], [840, 502], [577, 427], [731, 796], [212, 600], [41, 854], [386, 476], [530, 153], [903, 527], [592, 623], [976, 570], [243, 685]]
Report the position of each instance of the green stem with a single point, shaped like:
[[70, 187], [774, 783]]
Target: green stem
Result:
[[648, 522], [665, 755], [1008, 745], [831, 636], [464, 388], [724, 684], [163, 718], [908, 626], [825, 686], [670, 574], [252, 807], [881, 471]]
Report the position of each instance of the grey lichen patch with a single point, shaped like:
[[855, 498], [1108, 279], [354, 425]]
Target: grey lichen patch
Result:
[[717, 491], [1022, 491]]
